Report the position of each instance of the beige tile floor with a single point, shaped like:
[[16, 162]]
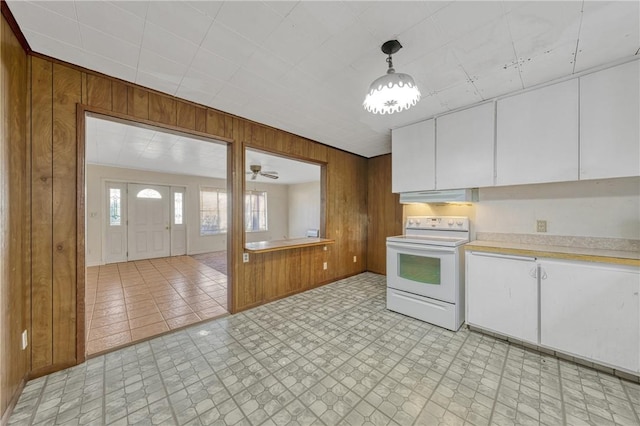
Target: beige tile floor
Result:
[[132, 301]]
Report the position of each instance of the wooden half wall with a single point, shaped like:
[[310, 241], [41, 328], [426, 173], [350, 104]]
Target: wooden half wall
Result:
[[14, 218], [57, 200]]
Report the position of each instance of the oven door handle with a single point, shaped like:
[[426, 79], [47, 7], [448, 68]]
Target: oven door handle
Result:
[[421, 247]]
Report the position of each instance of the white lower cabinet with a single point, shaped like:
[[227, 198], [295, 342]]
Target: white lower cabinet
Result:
[[502, 294], [588, 310], [591, 311]]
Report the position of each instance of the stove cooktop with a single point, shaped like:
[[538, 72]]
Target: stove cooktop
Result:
[[429, 240]]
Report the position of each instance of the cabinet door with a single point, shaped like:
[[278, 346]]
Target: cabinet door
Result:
[[502, 294], [610, 122], [591, 311], [465, 142], [412, 157], [537, 136]]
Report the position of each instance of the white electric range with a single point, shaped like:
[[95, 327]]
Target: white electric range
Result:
[[425, 270]]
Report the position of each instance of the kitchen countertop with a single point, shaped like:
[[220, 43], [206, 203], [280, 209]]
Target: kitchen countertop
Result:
[[557, 252], [293, 243]]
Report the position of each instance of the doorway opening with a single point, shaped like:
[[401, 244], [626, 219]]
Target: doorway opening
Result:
[[143, 221], [146, 269]]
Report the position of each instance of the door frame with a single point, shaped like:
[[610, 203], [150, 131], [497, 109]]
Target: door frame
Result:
[[81, 187], [104, 205]]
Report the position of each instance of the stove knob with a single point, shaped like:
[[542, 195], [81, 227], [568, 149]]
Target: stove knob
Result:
[[411, 223], [450, 222], [459, 223]]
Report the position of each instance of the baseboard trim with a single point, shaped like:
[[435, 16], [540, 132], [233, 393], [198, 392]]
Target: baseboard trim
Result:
[[43, 371], [4, 420]]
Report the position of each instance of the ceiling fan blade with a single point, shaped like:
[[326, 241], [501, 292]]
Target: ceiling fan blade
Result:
[[270, 176], [270, 173], [255, 175]]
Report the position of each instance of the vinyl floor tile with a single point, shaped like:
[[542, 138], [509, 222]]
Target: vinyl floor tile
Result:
[[330, 356]]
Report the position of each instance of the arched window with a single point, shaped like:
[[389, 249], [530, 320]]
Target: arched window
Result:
[[149, 193]]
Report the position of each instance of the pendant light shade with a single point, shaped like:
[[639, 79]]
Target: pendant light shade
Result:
[[393, 92]]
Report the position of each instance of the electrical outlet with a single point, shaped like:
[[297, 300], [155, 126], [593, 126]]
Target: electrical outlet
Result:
[[25, 340], [541, 226], [324, 266], [324, 248], [245, 257], [355, 259]]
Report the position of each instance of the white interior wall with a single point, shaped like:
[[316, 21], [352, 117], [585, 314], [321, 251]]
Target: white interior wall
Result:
[[277, 212], [277, 204], [595, 208], [304, 208]]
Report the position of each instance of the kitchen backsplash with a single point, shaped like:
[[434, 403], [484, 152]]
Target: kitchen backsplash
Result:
[[563, 241], [603, 213]]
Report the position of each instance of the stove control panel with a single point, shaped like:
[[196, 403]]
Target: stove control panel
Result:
[[458, 223]]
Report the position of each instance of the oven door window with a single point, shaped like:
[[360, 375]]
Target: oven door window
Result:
[[420, 269]]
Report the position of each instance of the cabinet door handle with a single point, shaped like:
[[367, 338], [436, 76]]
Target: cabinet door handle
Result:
[[543, 276], [534, 272]]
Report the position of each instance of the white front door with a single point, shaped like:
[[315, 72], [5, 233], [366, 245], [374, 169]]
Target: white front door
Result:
[[178, 224], [149, 221], [115, 244]]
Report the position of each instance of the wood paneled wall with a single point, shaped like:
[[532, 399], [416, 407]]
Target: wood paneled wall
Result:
[[14, 218], [58, 260], [385, 213]]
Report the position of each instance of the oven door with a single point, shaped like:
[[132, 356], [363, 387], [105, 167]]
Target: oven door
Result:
[[430, 271]]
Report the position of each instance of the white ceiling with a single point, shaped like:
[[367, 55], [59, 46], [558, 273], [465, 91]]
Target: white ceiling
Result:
[[117, 143], [305, 66]]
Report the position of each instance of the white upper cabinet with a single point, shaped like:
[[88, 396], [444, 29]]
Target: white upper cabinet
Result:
[[610, 123], [413, 157], [537, 136], [464, 153]]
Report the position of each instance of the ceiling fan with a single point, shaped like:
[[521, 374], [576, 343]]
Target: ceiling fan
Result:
[[256, 169]]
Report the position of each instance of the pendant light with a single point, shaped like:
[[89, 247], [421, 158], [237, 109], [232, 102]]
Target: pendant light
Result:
[[393, 92]]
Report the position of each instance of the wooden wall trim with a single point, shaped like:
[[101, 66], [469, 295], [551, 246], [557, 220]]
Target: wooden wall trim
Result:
[[4, 419], [80, 225], [11, 21], [150, 123], [52, 368], [279, 153]]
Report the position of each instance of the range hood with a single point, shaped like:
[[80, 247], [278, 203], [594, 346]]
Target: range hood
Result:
[[448, 196]]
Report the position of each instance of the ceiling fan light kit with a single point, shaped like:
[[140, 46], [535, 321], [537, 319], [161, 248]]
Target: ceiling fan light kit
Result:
[[256, 169], [393, 92]]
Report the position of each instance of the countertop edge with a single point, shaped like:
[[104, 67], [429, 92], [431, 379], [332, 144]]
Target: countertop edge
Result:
[[553, 252], [280, 245]]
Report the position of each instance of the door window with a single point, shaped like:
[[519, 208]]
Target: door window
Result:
[[177, 208], [115, 207], [149, 193]]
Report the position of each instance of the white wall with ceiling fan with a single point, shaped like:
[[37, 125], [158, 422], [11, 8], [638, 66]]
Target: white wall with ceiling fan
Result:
[[96, 208]]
